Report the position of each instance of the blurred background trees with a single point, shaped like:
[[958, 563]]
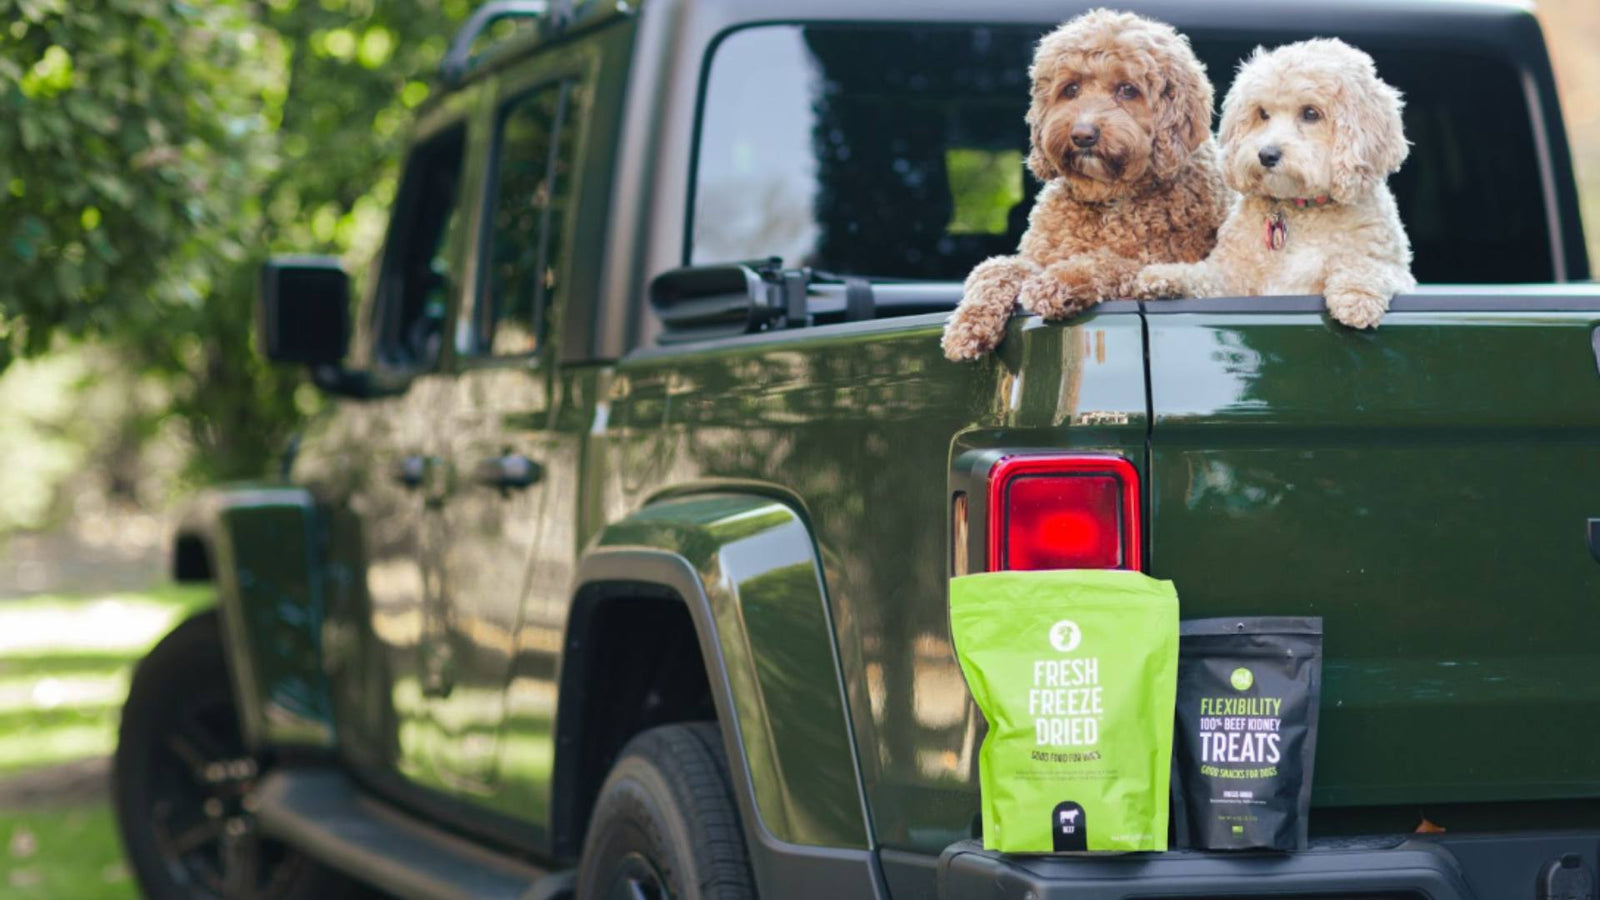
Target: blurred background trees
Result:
[[153, 153]]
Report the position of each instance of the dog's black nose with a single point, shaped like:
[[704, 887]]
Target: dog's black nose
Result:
[[1085, 135], [1269, 156]]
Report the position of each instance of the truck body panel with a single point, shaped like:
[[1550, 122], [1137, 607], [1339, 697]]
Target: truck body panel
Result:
[[859, 424], [1426, 490]]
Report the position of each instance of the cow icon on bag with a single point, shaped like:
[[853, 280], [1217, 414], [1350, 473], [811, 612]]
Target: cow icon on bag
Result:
[[1069, 828]]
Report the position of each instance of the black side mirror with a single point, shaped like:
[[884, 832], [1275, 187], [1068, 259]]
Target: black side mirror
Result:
[[303, 312]]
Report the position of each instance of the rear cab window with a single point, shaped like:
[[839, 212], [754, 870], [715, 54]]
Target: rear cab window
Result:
[[897, 152], [891, 152]]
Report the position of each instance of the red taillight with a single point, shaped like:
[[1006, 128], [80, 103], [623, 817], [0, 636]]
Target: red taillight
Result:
[[1063, 512]]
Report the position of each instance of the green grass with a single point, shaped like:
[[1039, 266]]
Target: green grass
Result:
[[65, 664], [64, 669], [57, 665], [63, 853]]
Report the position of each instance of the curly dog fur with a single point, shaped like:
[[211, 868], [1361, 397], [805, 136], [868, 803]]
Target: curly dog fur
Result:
[[1331, 129], [1119, 129]]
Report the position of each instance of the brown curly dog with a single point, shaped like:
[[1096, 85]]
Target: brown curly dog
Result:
[[1120, 132]]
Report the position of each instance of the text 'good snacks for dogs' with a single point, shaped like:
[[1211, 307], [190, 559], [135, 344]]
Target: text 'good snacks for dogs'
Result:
[[1075, 673]]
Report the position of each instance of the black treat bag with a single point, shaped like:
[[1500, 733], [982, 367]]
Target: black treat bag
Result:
[[1248, 692]]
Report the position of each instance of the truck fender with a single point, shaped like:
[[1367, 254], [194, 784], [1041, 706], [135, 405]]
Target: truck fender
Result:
[[746, 568], [260, 544]]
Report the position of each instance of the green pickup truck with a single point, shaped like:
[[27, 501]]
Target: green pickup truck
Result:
[[617, 565]]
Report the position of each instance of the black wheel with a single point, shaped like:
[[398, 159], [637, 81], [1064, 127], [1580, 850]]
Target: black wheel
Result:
[[665, 826], [181, 780]]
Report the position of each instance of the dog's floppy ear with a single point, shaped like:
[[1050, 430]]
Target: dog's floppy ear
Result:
[[1369, 141], [1039, 162], [1183, 109], [1234, 106]]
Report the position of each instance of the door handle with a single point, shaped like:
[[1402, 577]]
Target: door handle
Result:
[[412, 471], [511, 471]]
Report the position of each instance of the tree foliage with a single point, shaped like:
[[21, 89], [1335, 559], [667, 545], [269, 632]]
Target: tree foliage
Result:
[[132, 139], [157, 150]]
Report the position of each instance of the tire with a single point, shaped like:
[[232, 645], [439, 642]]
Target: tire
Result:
[[172, 802], [665, 824]]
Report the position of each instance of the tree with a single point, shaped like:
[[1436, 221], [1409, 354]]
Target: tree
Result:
[[161, 149], [135, 136]]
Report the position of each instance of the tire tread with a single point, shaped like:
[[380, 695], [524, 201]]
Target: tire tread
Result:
[[691, 762]]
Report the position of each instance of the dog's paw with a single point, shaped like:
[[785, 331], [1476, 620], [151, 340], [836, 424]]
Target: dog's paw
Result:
[[1056, 293], [1355, 308], [1158, 282], [968, 335]]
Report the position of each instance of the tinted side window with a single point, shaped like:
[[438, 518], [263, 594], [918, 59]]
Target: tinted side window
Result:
[[529, 201], [418, 265], [897, 152]]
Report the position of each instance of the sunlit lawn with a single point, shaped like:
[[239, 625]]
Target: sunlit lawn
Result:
[[63, 853], [64, 669]]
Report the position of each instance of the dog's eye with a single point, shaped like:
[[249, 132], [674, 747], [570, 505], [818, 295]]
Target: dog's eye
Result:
[[1071, 90], [1310, 114], [1126, 91], [1262, 114]]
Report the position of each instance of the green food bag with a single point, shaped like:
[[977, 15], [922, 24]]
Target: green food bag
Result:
[[1076, 673]]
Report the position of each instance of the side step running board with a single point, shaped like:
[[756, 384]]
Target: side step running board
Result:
[[324, 814]]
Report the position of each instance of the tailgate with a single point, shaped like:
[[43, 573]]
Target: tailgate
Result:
[[1425, 488]]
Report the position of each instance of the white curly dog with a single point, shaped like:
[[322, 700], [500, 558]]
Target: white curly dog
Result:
[[1309, 136]]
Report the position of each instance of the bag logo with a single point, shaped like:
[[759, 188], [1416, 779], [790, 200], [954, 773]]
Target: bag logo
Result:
[[1069, 827], [1065, 636], [1241, 679]]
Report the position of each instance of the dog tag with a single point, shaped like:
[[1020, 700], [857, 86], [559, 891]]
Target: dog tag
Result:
[[1277, 230]]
